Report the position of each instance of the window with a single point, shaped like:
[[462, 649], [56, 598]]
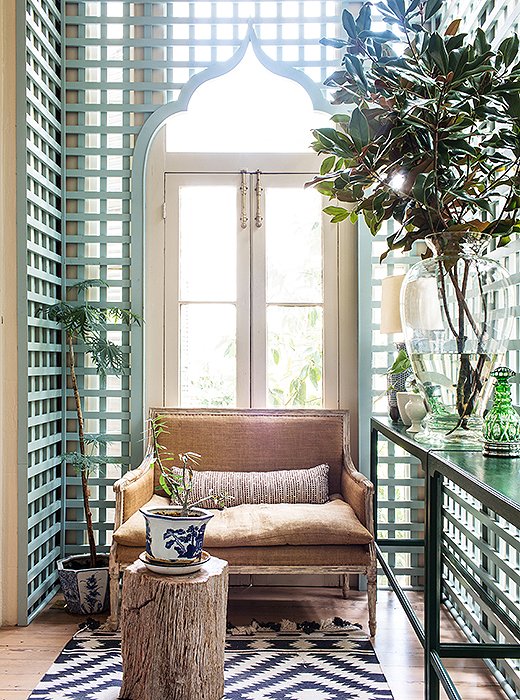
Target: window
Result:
[[251, 294], [250, 280]]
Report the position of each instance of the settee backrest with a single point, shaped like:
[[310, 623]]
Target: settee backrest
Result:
[[258, 439]]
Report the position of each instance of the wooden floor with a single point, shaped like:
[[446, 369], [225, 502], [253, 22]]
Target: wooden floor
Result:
[[27, 652]]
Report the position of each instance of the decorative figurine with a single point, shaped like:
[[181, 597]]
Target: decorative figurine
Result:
[[416, 411], [502, 424]]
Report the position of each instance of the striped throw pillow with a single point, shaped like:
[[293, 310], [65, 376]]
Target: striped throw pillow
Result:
[[283, 486]]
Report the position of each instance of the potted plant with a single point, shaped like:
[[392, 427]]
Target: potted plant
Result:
[[175, 534], [84, 578], [431, 141]]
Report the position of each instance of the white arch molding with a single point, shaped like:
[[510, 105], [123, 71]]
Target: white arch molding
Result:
[[141, 154]]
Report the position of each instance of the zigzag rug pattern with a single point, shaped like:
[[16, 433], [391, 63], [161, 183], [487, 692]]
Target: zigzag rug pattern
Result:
[[260, 665]]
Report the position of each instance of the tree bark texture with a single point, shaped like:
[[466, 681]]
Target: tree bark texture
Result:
[[173, 632]]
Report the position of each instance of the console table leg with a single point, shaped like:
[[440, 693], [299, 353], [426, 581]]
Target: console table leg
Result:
[[433, 572]]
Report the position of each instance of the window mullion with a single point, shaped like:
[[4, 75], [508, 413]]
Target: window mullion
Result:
[[243, 304], [258, 277]]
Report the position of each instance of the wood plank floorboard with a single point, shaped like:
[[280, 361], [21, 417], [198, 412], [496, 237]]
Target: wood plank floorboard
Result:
[[27, 652]]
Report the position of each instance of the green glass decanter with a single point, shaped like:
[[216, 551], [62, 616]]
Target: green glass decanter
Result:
[[502, 424]]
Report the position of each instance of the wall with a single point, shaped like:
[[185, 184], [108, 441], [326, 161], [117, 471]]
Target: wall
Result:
[[8, 323]]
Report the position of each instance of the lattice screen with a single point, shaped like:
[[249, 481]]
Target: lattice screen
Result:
[[123, 60], [40, 243], [401, 482]]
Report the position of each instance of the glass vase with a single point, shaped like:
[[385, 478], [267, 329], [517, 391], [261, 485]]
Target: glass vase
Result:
[[455, 315]]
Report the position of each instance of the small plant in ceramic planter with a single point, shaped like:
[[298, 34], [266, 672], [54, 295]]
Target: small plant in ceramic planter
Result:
[[175, 534]]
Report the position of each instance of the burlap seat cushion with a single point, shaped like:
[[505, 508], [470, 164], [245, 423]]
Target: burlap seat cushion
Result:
[[331, 523]]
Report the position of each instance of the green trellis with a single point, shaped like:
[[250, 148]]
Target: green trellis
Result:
[[40, 258]]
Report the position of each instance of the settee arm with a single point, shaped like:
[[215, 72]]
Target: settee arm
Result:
[[133, 490], [358, 491]]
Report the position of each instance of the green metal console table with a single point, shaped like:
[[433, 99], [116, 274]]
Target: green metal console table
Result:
[[495, 483]]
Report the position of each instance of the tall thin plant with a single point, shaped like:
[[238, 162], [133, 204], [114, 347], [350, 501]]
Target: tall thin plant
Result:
[[85, 325]]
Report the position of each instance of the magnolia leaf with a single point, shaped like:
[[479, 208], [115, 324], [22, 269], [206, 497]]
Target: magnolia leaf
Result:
[[325, 188], [336, 79], [431, 9], [461, 145], [448, 102], [453, 28], [421, 186], [382, 37], [454, 42], [335, 43], [355, 69], [513, 104], [338, 214], [327, 165], [359, 129], [349, 24], [413, 76], [413, 6], [481, 43], [363, 18], [509, 49], [438, 52]]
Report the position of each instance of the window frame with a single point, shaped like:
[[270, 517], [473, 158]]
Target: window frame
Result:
[[340, 366]]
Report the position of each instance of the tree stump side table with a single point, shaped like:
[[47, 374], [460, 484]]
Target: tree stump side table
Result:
[[173, 631]]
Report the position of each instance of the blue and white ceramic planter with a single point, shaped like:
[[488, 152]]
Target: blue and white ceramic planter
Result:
[[172, 537], [85, 589]]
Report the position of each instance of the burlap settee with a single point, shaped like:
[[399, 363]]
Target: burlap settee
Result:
[[333, 537]]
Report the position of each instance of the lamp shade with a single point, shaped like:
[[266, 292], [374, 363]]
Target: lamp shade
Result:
[[390, 308], [421, 305]]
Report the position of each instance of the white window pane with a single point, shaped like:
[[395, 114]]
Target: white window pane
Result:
[[207, 355], [208, 243], [293, 245], [294, 356]]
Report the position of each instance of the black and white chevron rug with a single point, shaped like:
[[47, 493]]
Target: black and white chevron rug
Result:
[[309, 661]]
